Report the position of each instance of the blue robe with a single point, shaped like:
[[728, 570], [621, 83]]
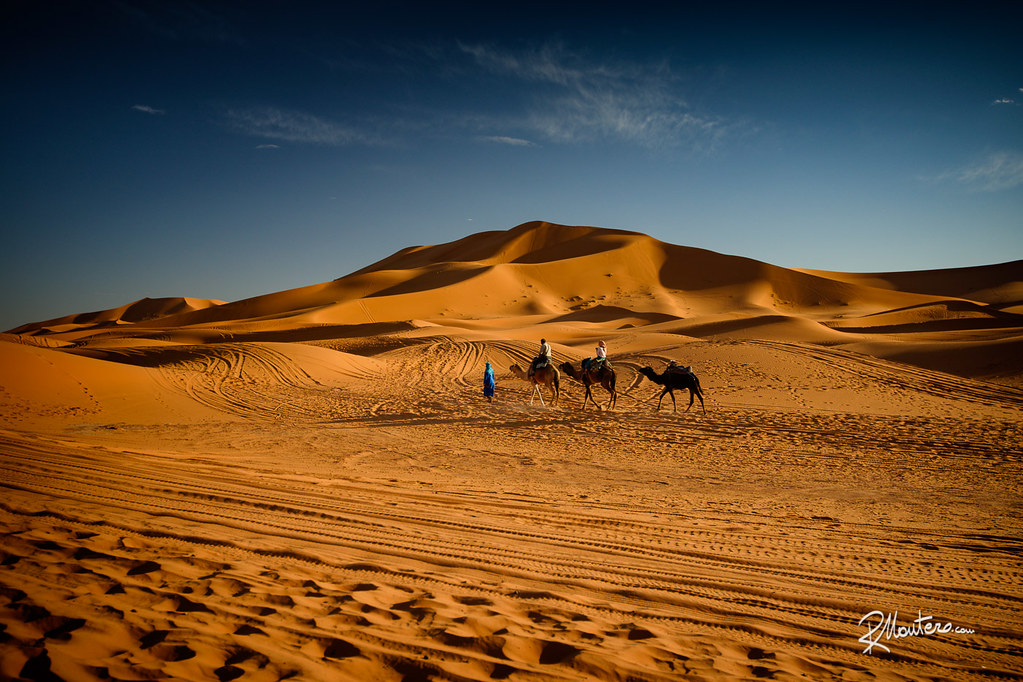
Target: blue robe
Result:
[[488, 382]]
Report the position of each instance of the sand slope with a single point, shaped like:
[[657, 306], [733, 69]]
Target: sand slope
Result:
[[308, 484]]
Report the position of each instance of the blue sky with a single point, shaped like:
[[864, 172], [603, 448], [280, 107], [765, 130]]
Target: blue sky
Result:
[[231, 149]]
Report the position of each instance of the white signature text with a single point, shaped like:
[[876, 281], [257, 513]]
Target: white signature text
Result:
[[886, 626]]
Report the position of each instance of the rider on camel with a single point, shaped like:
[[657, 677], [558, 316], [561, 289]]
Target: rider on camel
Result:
[[544, 358], [600, 360]]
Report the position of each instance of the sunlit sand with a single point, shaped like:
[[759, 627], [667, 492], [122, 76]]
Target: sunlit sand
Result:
[[311, 485]]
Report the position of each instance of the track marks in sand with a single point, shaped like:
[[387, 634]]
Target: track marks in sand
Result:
[[276, 620], [257, 381], [441, 363], [427, 535], [187, 570], [251, 380], [903, 376]]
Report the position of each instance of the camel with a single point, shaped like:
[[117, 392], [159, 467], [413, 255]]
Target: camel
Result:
[[675, 379], [548, 376], [603, 375]]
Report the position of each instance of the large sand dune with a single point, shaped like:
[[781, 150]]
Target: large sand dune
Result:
[[309, 485]]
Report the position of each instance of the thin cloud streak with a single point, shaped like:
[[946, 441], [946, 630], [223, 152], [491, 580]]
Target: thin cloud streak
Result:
[[511, 141], [548, 94], [996, 172], [148, 110], [293, 126], [580, 102]]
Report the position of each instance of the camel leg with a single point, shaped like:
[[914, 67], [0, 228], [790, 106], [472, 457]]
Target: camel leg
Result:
[[694, 391], [540, 393], [669, 392]]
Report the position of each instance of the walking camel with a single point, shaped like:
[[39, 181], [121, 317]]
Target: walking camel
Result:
[[675, 379], [548, 376], [603, 375]]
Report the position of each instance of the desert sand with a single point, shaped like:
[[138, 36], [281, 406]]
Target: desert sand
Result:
[[310, 485]]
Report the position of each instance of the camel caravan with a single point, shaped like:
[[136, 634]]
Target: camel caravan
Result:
[[598, 371]]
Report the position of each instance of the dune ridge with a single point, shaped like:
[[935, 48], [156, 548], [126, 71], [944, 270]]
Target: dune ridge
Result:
[[309, 484], [143, 310], [568, 273]]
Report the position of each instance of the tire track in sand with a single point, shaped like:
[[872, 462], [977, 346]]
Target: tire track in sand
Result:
[[250, 380], [559, 591]]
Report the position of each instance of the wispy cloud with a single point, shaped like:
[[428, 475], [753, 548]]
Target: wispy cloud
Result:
[[148, 109], [512, 141], [522, 98], [570, 99], [995, 172], [294, 126], [268, 146]]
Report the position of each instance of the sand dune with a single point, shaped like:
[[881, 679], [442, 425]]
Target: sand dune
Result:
[[143, 310], [309, 485], [996, 284], [557, 273]]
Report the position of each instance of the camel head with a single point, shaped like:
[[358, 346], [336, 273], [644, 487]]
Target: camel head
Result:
[[568, 369], [517, 371], [650, 374]]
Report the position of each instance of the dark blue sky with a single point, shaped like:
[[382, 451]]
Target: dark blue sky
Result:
[[230, 149]]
